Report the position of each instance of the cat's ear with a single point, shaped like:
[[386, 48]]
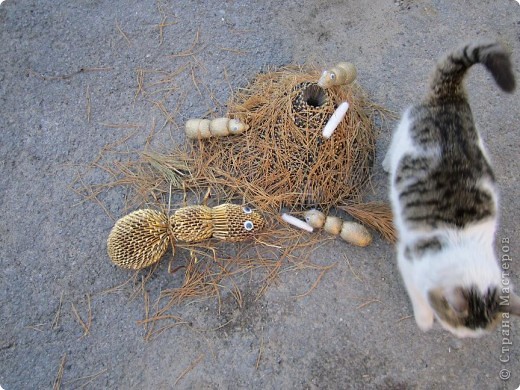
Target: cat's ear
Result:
[[514, 305], [452, 302]]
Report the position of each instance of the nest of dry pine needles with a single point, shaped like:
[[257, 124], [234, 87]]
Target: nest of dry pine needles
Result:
[[283, 159]]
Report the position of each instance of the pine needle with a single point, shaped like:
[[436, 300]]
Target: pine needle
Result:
[[189, 368], [85, 325], [56, 385]]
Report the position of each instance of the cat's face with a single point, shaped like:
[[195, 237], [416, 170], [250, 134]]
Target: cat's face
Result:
[[468, 312]]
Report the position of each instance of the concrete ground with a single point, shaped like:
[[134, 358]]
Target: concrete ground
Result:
[[68, 80]]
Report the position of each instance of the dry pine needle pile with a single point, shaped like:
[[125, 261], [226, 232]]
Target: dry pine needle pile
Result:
[[282, 160]]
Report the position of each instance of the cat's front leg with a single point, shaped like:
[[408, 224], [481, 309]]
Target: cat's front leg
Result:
[[423, 316], [422, 311]]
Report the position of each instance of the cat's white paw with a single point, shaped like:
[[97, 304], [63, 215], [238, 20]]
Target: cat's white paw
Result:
[[424, 320]]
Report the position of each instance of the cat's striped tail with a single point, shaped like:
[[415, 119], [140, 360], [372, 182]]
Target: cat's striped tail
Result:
[[448, 75]]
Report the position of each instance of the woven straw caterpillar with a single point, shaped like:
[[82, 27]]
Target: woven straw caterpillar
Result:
[[342, 74], [219, 127], [141, 238], [352, 232]]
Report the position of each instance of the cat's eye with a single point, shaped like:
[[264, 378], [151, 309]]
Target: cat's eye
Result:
[[248, 225], [247, 210]]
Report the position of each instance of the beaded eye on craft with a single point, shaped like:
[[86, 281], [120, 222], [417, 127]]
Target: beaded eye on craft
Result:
[[248, 225], [235, 126], [247, 210]]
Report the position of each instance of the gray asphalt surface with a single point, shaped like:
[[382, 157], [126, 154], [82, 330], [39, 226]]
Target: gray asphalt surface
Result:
[[68, 77]]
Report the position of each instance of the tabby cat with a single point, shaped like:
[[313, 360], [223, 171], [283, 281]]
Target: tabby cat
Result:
[[444, 201]]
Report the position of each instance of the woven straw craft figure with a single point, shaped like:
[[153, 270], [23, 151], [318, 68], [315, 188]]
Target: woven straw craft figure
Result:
[[141, 238], [281, 157]]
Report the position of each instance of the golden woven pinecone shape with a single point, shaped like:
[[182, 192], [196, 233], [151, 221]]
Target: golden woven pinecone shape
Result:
[[139, 239]]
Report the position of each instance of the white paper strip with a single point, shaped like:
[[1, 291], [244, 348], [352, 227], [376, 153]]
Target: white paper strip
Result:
[[297, 222], [335, 119]]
